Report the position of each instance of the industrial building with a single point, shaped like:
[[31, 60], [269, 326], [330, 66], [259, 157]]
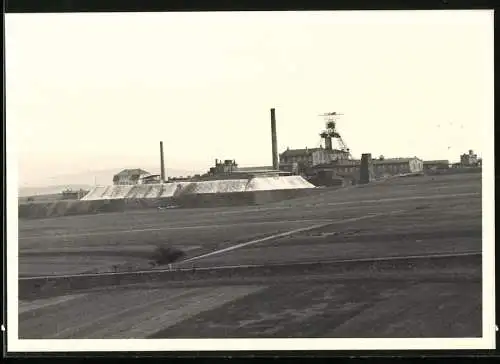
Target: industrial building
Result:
[[381, 167], [311, 156], [327, 163], [324, 163], [131, 177], [470, 159], [301, 161], [436, 165], [69, 194], [223, 167], [394, 166], [230, 169]]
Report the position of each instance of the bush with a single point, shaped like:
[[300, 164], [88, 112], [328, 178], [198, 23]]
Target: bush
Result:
[[166, 255]]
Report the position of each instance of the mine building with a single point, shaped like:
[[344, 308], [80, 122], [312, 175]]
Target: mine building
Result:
[[434, 165], [349, 168], [395, 166], [230, 169], [70, 194], [151, 179], [311, 156], [223, 167], [470, 159], [131, 177]]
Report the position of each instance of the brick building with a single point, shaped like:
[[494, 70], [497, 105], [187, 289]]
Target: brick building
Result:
[[130, 177]]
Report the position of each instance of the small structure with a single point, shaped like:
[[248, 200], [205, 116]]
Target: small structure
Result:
[[152, 179], [223, 167], [292, 168], [69, 194], [130, 177], [228, 169], [470, 159], [435, 165]]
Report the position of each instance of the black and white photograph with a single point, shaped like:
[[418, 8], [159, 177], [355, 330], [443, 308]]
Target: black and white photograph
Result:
[[301, 180]]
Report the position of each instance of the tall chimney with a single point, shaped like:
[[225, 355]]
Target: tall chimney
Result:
[[274, 140], [366, 168], [162, 165]]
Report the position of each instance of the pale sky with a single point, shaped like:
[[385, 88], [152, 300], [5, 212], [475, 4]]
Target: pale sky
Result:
[[96, 91]]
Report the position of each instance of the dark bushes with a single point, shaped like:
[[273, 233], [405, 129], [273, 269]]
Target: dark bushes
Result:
[[166, 255]]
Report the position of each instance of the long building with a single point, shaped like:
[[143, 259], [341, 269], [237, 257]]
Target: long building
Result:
[[436, 164], [312, 156], [381, 167]]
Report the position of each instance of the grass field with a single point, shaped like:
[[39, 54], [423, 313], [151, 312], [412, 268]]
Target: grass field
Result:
[[417, 216]]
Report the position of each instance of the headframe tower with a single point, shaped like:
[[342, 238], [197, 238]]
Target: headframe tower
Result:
[[331, 132]]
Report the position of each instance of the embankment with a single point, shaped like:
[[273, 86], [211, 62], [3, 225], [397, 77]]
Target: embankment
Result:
[[215, 193], [239, 198], [82, 207], [451, 268], [192, 200], [454, 171]]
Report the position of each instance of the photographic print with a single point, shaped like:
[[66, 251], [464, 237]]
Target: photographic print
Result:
[[264, 180]]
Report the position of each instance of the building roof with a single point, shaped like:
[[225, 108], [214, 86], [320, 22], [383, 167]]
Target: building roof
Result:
[[255, 169], [298, 152], [392, 160], [131, 172], [355, 164], [439, 161], [307, 151]]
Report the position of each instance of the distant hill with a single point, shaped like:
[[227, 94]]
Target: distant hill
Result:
[[49, 190], [86, 180]]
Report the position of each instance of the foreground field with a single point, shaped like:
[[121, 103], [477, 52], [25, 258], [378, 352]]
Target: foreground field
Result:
[[356, 308], [408, 217]]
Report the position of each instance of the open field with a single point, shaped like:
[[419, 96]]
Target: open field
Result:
[[415, 216], [40, 198]]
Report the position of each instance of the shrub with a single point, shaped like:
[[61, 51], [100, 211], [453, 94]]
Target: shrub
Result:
[[166, 255]]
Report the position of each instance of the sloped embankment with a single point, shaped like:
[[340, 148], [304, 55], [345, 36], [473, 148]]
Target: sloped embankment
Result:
[[82, 207], [240, 192]]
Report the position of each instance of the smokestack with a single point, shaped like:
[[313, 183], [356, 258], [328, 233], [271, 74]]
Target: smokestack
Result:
[[274, 140], [366, 169], [162, 165]]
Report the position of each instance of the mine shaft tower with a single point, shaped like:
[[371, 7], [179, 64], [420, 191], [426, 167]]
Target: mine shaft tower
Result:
[[331, 132]]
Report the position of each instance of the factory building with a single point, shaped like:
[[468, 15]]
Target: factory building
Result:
[[230, 169], [470, 159], [151, 179], [295, 160], [312, 156], [131, 177], [69, 194], [396, 166], [223, 167], [436, 165], [381, 167]]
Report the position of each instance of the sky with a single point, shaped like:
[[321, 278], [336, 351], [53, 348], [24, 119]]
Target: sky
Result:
[[92, 91]]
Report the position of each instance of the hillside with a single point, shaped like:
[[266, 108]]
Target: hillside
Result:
[[86, 180]]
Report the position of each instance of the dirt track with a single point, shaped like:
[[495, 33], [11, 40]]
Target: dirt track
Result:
[[408, 216]]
